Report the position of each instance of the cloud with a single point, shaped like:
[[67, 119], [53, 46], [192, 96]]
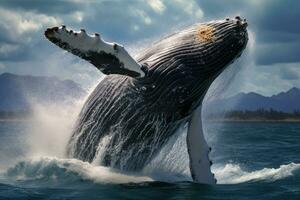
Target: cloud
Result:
[[18, 23], [77, 16], [266, 79], [290, 72], [19, 32], [157, 5], [116, 19], [2, 66], [130, 22], [45, 7], [137, 23], [273, 21], [272, 53], [24, 48]]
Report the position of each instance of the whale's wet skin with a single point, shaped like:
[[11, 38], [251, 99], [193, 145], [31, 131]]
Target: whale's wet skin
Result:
[[134, 110]]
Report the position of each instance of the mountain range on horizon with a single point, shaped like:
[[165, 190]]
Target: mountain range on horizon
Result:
[[288, 101], [18, 91]]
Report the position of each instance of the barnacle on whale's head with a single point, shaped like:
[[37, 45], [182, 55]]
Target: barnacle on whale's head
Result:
[[205, 33]]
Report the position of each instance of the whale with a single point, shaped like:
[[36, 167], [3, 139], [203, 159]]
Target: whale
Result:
[[141, 102]]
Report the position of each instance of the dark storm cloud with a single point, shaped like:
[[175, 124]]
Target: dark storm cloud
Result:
[[136, 23], [125, 22], [131, 21], [117, 19], [269, 54], [274, 22], [219, 9], [281, 16], [22, 23], [43, 6], [5, 35]]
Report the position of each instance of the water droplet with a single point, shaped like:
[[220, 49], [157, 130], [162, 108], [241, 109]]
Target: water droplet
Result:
[[181, 100]]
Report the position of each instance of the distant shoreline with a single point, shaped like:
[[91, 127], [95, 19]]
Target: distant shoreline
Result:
[[206, 120], [260, 115], [254, 120]]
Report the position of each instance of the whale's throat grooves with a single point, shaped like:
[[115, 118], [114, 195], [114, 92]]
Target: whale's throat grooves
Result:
[[138, 132]]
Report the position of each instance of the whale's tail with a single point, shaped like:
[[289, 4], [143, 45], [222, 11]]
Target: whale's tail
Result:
[[109, 58]]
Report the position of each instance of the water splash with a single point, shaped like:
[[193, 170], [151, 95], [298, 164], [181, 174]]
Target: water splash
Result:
[[57, 170], [50, 128], [172, 162], [233, 78], [51, 124], [234, 174], [228, 83], [53, 170]]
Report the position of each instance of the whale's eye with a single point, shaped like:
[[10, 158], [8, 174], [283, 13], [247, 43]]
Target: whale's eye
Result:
[[205, 33]]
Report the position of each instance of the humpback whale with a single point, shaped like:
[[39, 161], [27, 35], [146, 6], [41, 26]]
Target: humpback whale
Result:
[[141, 102]]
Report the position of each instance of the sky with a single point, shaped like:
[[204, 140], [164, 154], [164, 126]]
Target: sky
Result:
[[270, 64]]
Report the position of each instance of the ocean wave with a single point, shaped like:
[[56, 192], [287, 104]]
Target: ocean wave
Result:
[[68, 170], [233, 173], [73, 170]]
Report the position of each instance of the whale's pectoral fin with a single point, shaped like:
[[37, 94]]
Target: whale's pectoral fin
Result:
[[109, 58], [198, 151]]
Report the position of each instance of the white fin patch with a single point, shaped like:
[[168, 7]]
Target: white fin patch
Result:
[[198, 151], [84, 43]]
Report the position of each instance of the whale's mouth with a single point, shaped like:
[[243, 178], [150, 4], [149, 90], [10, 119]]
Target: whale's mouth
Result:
[[241, 33]]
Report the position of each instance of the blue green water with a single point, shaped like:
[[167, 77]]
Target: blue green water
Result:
[[251, 161]]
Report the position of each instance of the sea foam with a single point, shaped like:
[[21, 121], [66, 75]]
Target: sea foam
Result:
[[68, 170], [233, 173], [73, 170]]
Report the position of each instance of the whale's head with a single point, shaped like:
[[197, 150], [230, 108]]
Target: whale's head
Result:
[[205, 47], [187, 62], [218, 43]]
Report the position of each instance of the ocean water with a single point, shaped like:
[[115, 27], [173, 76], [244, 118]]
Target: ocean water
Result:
[[251, 161]]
